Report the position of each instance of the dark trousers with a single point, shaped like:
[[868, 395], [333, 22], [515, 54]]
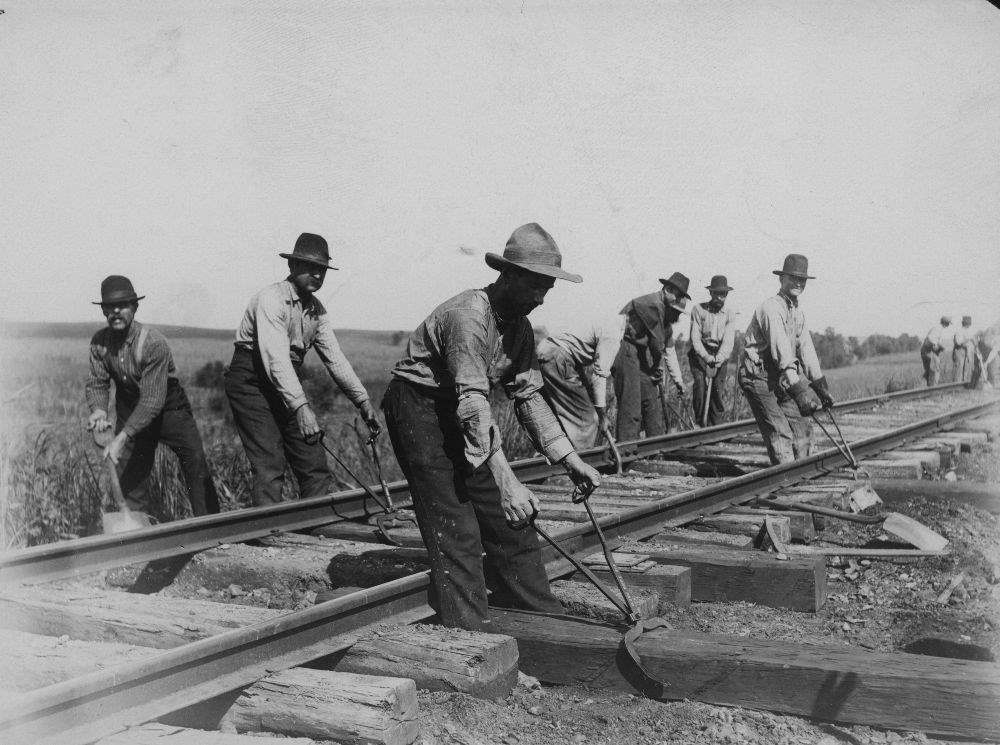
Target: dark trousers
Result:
[[460, 517], [716, 407], [174, 427], [270, 434], [786, 432], [639, 405], [932, 365]]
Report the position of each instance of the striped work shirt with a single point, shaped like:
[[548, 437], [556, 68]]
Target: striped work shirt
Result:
[[713, 333], [142, 382]]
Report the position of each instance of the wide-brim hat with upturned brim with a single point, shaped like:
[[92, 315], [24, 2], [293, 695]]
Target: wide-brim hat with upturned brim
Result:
[[534, 250], [678, 282], [719, 284], [796, 265], [312, 249], [117, 289]]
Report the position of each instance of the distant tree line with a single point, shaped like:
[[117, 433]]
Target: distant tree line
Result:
[[834, 350]]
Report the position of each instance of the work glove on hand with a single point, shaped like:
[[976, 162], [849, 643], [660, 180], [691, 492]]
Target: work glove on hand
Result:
[[822, 392], [804, 398]]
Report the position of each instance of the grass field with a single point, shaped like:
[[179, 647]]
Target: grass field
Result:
[[52, 484]]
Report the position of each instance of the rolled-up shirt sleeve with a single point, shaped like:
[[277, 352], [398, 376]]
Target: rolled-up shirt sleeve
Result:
[[271, 322], [609, 337], [337, 364], [463, 338]]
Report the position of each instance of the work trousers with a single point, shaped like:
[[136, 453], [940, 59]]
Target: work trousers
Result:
[[716, 406], [270, 434], [639, 404], [962, 358], [932, 365], [460, 517], [568, 395], [174, 427], [786, 432]]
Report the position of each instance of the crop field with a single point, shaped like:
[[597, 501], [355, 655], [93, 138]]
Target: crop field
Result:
[[53, 485]]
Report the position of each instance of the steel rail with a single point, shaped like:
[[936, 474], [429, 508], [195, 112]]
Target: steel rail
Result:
[[67, 559], [81, 710]]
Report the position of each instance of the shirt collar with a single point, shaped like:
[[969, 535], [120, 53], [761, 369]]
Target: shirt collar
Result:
[[791, 302], [293, 296]]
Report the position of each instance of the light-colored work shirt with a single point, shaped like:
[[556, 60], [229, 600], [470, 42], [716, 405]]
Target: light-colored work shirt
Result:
[[713, 333], [140, 376], [282, 328], [964, 337], [461, 351], [778, 337], [935, 339], [593, 343]]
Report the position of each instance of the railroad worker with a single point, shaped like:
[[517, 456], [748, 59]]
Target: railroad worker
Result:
[[646, 345], [438, 415], [575, 366], [963, 351], [779, 366], [274, 418], [713, 333], [930, 351], [150, 404]]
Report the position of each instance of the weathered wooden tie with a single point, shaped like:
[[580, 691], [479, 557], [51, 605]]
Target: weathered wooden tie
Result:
[[155, 733]]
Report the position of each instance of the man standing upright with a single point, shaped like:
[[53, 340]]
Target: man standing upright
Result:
[[648, 343], [930, 351], [150, 404], [963, 352], [779, 366], [273, 416], [438, 414], [713, 334], [576, 365]]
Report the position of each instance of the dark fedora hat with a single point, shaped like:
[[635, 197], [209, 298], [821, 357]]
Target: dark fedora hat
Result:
[[311, 248], [719, 284], [117, 289], [679, 282], [796, 265], [532, 249]]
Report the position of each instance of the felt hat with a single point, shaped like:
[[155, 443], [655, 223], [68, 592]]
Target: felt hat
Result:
[[312, 249], [117, 289], [532, 249], [796, 265], [719, 284], [678, 282], [945, 320]]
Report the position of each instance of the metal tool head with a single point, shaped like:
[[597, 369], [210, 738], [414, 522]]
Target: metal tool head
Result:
[[525, 523]]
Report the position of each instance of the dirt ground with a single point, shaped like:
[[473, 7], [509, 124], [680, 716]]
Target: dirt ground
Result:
[[876, 605]]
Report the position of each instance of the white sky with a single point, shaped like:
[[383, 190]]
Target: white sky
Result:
[[186, 143]]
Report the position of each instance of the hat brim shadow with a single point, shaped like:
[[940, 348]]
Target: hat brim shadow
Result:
[[498, 262], [307, 260], [133, 299]]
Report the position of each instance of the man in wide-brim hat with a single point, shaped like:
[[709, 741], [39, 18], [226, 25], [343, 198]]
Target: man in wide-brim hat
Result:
[[647, 345], [713, 334], [931, 349], [151, 406], [963, 351], [779, 371], [437, 411], [275, 420]]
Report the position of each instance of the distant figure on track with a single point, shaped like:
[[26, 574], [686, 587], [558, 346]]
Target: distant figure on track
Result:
[[276, 423], [963, 353], [438, 414], [779, 366], [713, 335], [930, 351], [648, 343], [150, 404], [576, 364]]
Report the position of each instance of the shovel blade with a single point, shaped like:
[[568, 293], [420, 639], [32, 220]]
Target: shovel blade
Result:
[[913, 532], [120, 522]]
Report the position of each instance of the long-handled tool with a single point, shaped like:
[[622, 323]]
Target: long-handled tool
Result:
[[709, 380], [613, 446], [681, 416], [841, 445], [637, 625], [390, 517], [125, 518]]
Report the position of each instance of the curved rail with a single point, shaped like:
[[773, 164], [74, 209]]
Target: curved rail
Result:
[[83, 709], [85, 555]]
